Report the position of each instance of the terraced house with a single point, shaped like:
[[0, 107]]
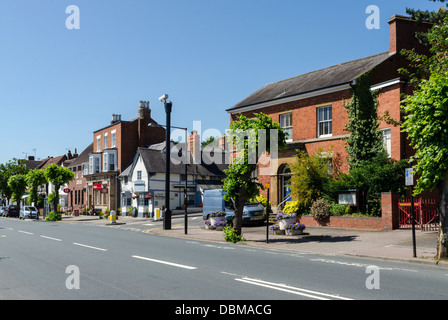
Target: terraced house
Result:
[[310, 107]]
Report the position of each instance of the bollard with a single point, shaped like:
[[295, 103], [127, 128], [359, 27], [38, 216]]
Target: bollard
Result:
[[113, 216]]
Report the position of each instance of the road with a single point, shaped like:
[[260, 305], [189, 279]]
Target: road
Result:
[[60, 261]]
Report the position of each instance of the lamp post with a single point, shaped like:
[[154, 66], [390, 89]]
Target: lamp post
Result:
[[167, 177]]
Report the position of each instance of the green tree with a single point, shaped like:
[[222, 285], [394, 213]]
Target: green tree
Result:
[[18, 185], [34, 179], [58, 176], [8, 170], [365, 140], [310, 174], [426, 123], [240, 183]]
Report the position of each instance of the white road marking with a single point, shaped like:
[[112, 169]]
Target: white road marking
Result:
[[25, 232], [166, 262], [293, 290], [90, 247], [50, 238]]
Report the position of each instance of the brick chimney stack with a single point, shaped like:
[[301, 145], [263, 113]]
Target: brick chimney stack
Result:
[[144, 112], [402, 34], [194, 145]]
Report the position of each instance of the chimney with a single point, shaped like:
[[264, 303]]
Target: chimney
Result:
[[222, 142], [69, 155], [75, 155], [402, 34], [194, 145], [115, 118], [144, 112], [31, 158]]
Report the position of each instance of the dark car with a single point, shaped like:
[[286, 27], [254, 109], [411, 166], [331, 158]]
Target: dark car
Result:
[[12, 211]]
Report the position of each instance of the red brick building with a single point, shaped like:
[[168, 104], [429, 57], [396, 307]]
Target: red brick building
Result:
[[113, 149], [311, 109]]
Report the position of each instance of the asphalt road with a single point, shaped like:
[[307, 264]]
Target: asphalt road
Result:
[[42, 260]]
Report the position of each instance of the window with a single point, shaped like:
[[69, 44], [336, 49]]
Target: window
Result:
[[110, 160], [387, 142], [98, 144], [113, 139], [105, 141], [286, 124], [324, 121], [95, 163], [139, 175]]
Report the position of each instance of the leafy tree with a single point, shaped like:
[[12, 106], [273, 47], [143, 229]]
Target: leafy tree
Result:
[[58, 176], [18, 185], [426, 123], [310, 174], [7, 170], [240, 183], [365, 140], [34, 179]]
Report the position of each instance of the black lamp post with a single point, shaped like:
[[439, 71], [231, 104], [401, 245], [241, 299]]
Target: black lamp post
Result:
[[167, 213], [186, 170]]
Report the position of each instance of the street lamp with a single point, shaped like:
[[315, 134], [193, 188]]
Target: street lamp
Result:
[[168, 151], [167, 214]]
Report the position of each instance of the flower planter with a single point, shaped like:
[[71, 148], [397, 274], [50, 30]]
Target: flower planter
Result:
[[284, 222], [294, 232], [278, 232], [214, 220]]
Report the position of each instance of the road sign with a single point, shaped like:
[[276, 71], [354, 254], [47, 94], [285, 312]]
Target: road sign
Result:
[[409, 176], [67, 190]]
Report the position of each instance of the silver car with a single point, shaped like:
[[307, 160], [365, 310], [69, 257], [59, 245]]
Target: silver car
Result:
[[28, 212]]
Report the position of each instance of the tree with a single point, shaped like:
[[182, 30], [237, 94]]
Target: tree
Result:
[[58, 176], [8, 170], [426, 123], [34, 179], [310, 174], [248, 137], [365, 140], [18, 185]]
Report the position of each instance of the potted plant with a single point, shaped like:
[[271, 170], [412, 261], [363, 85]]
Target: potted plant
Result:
[[217, 216], [276, 229], [220, 224], [208, 224], [293, 229], [286, 218]]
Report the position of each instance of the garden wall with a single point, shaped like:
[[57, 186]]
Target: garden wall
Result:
[[388, 221]]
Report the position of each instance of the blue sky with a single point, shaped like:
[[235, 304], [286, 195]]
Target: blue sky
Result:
[[57, 85]]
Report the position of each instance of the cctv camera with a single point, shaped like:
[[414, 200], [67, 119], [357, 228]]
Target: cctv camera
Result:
[[163, 98]]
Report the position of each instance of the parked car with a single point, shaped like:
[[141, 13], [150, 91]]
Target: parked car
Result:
[[12, 211], [28, 212], [214, 201]]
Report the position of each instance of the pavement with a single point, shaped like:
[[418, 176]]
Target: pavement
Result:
[[389, 245]]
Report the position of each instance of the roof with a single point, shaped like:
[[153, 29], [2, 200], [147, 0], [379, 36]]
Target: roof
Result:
[[154, 162], [333, 76], [58, 161], [83, 157]]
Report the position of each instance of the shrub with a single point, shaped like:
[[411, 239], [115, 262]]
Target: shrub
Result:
[[296, 207], [337, 210], [54, 216], [230, 235], [320, 209]]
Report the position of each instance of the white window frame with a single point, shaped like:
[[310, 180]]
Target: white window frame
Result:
[[387, 141], [286, 124], [113, 138], [98, 143], [94, 163], [110, 161], [327, 113], [105, 140]]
